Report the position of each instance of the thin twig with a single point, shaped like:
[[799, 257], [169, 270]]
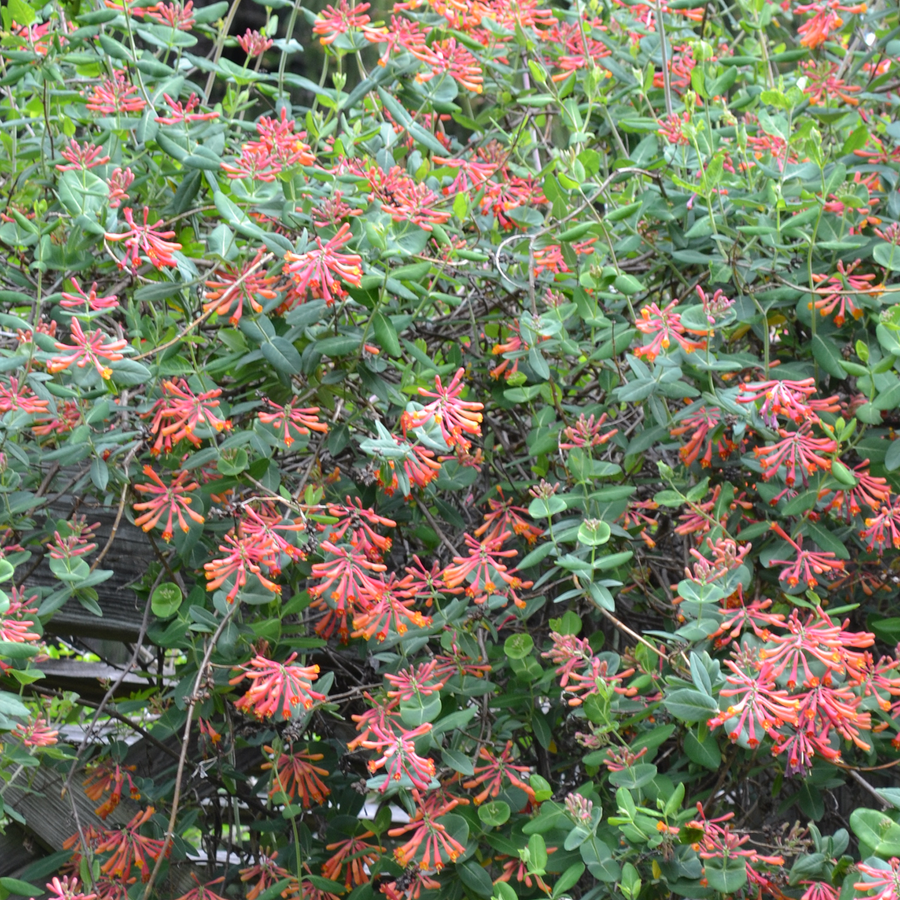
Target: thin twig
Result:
[[185, 738], [201, 319]]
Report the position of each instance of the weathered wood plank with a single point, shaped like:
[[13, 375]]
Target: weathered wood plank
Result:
[[17, 850], [129, 557], [49, 817]]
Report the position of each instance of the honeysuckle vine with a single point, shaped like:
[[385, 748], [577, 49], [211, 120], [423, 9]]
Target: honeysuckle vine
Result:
[[506, 397]]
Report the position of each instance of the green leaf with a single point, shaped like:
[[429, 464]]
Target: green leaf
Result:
[[166, 600], [283, 356], [541, 788], [386, 334], [494, 813], [458, 761], [568, 879], [593, 532], [23, 888], [634, 777], [23, 15], [704, 753], [475, 878], [518, 646], [726, 876], [887, 255], [892, 457], [876, 831], [690, 705], [420, 709]]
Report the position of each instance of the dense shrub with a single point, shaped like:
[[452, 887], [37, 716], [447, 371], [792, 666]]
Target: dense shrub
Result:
[[510, 417]]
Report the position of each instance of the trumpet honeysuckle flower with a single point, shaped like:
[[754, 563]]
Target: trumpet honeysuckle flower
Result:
[[253, 43], [229, 287], [321, 270], [178, 413], [428, 835], [292, 422], [295, 776], [277, 687], [129, 849], [147, 240], [86, 350], [115, 96], [495, 771], [798, 452], [170, 500]]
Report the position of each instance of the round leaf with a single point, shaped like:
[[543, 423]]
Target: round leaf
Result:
[[166, 600], [494, 814], [518, 646]]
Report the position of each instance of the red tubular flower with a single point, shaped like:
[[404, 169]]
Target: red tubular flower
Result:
[[345, 579], [144, 238], [837, 291], [399, 756], [319, 271], [19, 396], [807, 563], [203, 891], [664, 325], [870, 491], [81, 157], [129, 848], [359, 521], [290, 423], [505, 517], [482, 564], [819, 890], [277, 687], [404, 198], [13, 627], [36, 733], [109, 776], [357, 854], [704, 423], [816, 637], [181, 112], [119, 182], [115, 95], [786, 398], [825, 20], [227, 296], [294, 775], [67, 888], [332, 22], [391, 610], [253, 43], [415, 681], [672, 129], [255, 163], [243, 556], [495, 771], [586, 433], [166, 498], [179, 411], [454, 416], [88, 349], [883, 528], [175, 15], [797, 451], [453, 58], [438, 847], [761, 706], [266, 871]]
